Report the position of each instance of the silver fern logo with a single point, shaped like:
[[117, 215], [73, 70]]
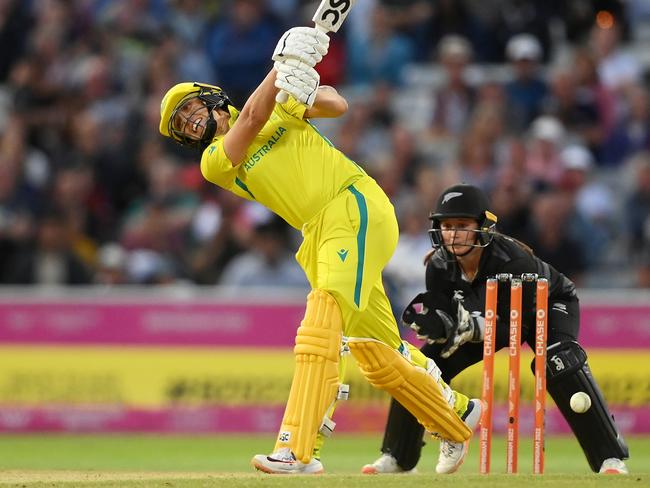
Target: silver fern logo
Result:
[[450, 195]]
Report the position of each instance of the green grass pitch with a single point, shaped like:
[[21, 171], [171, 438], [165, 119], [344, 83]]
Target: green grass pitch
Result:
[[214, 461]]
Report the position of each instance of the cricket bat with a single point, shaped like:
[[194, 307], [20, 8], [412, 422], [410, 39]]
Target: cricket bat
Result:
[[329, 17]]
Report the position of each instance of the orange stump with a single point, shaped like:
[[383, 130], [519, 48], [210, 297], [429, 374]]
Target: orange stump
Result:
[[487, 394], [514, 350], [541, 332]]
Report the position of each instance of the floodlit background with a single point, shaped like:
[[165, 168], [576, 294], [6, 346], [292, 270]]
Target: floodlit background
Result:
[[137, 297]]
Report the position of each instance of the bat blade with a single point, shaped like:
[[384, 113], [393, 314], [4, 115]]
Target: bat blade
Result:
[[331, 13]]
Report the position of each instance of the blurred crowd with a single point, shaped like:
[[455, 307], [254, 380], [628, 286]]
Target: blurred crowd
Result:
[[543, 104]]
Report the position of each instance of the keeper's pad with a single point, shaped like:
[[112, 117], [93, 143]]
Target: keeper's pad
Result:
[[567, 372], [316, 377], [414, 387]]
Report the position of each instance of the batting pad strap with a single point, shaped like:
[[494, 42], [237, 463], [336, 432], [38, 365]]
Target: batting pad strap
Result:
[[315, 384], [345, 349], [434, 371], [410, 385], [344, 392], [327, 427]]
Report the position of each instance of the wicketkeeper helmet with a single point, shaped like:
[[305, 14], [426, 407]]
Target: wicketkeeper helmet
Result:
[[463, 201]]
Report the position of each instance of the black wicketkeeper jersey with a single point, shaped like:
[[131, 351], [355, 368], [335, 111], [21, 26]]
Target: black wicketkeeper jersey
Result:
[[502, 255]]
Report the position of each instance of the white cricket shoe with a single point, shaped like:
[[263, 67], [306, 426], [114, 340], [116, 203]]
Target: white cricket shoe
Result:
[[386, 464], [613, 466], [452, 454], [284, 462]]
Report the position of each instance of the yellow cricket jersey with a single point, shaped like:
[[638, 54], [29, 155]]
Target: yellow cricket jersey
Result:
[[290, 167]]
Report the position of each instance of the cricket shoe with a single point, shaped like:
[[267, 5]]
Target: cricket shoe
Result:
[[386, 464], [284, 462], [452, 454], [613, 466]]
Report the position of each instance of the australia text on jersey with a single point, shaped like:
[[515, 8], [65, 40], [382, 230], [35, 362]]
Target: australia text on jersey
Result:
[[265, 148]]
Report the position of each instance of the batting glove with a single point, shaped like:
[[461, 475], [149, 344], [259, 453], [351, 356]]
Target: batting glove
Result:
[[298, 80], [306, 44]]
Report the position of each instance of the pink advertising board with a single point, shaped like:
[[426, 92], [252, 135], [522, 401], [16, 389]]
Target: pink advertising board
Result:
[[172, 324], [233, 323]]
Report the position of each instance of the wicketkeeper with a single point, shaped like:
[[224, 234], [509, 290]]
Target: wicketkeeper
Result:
[[449, 318], [269, 152]]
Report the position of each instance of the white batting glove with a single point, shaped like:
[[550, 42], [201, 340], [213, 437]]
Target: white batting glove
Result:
[[298, 80], [306, 44]]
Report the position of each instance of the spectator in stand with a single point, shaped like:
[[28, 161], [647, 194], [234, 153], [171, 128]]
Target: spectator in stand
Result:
[[147, 267], [220, 230], [455, 99], [87, 213], [14, 32], [412, 18], [577, 109], [240, 45], [548, 234], [17, 220], [637, 217], [51, 259], [269, 263], [637, 206], [617, 68], [591, 219], [159, 220], [545, 140], [631, 133], [476, 161], [591, 92], [511, 196], [371, 134], [450, 17], [111, 265], [527, 91], [530, 17], [638, 11], [381, 55]]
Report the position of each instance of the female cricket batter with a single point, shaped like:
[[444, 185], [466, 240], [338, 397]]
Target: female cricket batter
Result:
[[269, 152], [467, 251]]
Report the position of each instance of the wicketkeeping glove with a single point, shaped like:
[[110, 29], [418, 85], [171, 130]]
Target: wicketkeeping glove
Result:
[[420, 315], [465, 327], [433, 318], [306, 44], [298, 80]]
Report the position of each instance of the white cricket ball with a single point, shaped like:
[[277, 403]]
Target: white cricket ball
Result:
[[580, 402]]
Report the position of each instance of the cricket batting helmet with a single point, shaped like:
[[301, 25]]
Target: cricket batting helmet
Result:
[[463, 201], [212, 97]]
